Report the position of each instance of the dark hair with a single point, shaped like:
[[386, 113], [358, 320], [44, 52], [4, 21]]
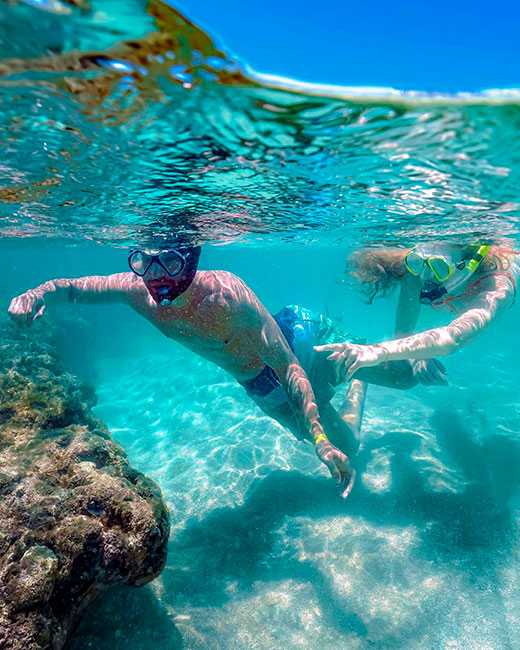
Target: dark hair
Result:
[[157, 238]]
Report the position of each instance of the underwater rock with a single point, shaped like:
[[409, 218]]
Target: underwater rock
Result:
[[75, 518]]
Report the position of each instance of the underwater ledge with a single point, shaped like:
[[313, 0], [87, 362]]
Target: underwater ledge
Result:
[[75, 517]]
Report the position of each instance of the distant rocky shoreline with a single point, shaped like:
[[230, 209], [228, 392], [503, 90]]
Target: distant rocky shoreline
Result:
[[75, 518]]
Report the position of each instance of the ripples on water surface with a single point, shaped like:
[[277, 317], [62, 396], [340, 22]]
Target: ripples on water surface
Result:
[[109, 135], [122, 119]]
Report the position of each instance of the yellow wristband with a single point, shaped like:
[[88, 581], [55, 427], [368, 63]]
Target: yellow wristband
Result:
[[321, 437]]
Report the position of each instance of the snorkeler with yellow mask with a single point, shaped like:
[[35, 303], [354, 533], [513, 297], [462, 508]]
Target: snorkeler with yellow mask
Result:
[[474, 282]]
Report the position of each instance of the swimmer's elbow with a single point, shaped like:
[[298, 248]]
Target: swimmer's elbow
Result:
[[455, 339], [467, 326], [450, 347]]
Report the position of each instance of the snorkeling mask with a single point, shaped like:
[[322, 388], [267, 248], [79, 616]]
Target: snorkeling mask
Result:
[[441, 267], [446, 275], [172, 261], [179, 264]]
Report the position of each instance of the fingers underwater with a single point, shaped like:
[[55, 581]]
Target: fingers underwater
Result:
[[328, 347], [349, 485]]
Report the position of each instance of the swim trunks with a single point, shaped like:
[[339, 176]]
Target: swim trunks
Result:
[[303, 329]]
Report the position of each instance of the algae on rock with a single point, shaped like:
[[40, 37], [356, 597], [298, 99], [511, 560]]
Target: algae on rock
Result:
[[74, 516]]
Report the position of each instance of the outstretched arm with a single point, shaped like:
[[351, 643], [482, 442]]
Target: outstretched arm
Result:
[[90, 289], [440, 341], [243, 313], [276, 353]]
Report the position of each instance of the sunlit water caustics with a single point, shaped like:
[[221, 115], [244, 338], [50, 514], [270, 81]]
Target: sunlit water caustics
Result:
[[121, 121]]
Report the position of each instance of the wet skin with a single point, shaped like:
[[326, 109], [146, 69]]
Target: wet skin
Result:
[[494, 292], [217, 317]]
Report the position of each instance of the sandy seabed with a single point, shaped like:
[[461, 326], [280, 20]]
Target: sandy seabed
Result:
[[264, 554]]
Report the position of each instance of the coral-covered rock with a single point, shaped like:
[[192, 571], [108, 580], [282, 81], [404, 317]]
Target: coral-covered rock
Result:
[[74, 516]]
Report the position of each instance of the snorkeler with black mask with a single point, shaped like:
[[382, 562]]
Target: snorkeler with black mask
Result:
[[168, 272], [218, 316]]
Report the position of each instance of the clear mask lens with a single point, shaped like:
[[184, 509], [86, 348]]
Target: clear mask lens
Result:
[[414, 263], [172, 261], [440, 268], [139, 262]]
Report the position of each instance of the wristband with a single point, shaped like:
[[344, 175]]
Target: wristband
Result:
[[321, 437]]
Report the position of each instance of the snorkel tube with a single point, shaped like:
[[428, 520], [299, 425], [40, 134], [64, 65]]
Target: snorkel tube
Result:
[[433, 291]]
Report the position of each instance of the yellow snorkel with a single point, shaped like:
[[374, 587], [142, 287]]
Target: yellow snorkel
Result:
[[461, 273], [478, 257]]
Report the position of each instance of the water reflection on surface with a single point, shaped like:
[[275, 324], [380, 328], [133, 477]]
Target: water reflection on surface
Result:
[[158, 128]]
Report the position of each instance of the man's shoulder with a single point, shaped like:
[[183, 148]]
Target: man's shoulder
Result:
[[227, 290], [224, 283], [219, 278]]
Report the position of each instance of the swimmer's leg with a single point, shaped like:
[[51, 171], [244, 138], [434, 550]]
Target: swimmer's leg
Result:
[[343, 427], [354, 405]]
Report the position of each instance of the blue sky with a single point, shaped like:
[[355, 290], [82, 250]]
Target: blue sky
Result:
[[426, 44]]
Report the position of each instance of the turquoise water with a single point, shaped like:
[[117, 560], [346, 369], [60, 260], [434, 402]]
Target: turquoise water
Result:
[[282, 185]]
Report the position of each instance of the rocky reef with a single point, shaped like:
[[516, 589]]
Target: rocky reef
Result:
[[75, 518]]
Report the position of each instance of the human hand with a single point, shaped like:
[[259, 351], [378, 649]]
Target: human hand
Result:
[[338, 465], [350, 357], [429, 372], [26, 307]]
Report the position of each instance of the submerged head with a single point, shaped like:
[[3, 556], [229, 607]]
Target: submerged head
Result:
[[166, 272], [379, 270]]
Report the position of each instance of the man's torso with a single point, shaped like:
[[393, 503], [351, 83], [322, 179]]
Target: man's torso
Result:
[[208, 320]]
